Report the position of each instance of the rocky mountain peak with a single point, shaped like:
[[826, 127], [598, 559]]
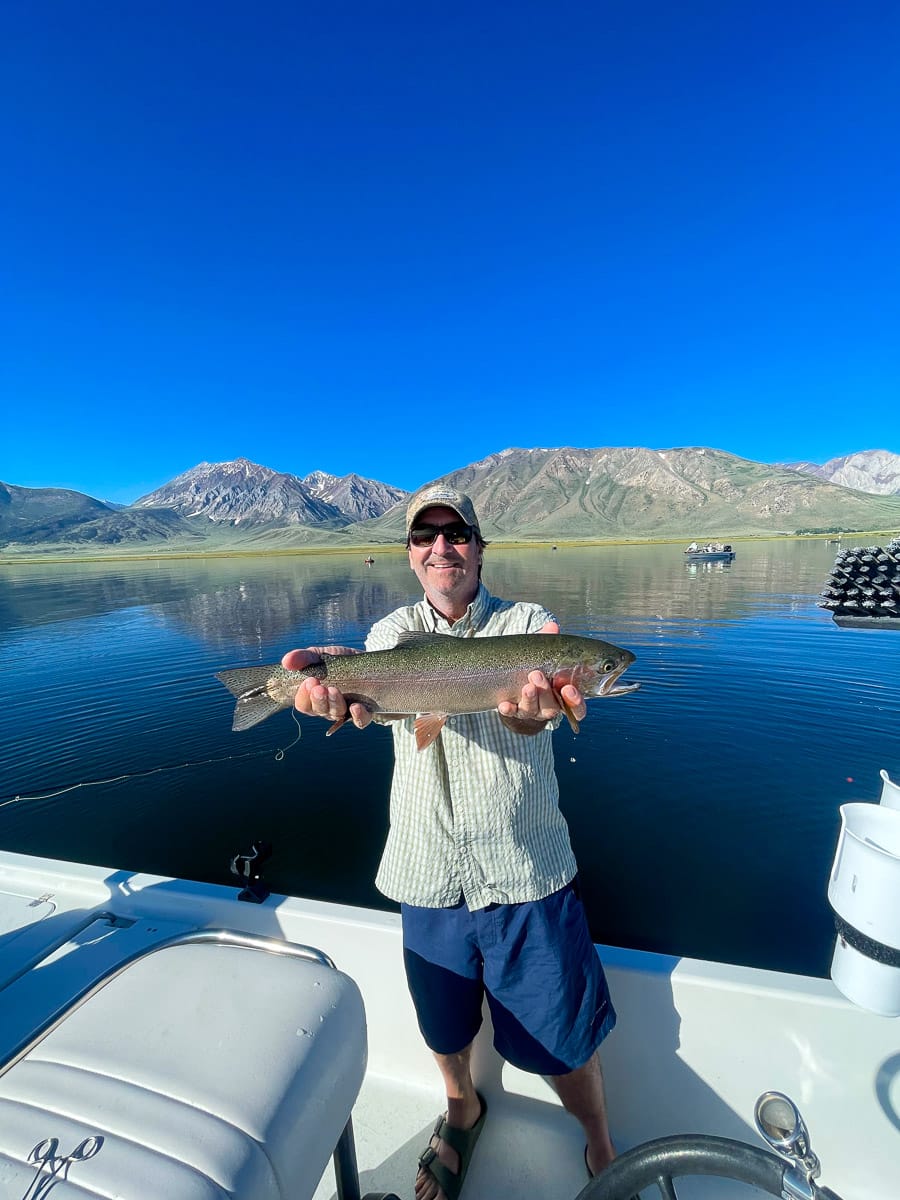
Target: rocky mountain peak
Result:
[[242, 492], [875, 471], [358, 498]]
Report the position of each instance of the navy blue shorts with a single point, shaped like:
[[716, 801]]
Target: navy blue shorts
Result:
[[536, 962]]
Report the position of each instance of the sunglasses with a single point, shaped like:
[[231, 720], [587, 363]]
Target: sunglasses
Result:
[[457, 534]]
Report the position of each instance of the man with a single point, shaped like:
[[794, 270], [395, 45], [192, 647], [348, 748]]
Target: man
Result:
[[479, 859]]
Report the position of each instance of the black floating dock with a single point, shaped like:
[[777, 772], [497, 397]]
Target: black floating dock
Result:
[[863, 589], [866, 622]]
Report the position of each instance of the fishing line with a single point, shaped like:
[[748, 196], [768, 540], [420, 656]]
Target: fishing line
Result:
[[279, 754], [200, 762]]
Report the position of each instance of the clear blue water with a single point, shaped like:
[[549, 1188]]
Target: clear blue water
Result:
[[703, 808]]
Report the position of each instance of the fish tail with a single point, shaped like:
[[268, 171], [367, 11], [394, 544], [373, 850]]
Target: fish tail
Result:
[[250, 686]]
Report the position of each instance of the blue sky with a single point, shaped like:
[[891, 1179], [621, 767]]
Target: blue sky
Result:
[[396, 237]]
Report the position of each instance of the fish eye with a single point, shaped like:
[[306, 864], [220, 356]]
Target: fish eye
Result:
[[607, 665]]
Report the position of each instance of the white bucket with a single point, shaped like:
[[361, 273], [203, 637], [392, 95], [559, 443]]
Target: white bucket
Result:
[[890, 792], [864, 890]]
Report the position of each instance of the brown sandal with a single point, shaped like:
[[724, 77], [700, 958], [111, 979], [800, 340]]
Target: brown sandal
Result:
[[463, 1141]]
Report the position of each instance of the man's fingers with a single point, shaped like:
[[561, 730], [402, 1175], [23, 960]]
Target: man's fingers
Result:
[[575, 701], [315, 700], [296, 660], [360, 715]]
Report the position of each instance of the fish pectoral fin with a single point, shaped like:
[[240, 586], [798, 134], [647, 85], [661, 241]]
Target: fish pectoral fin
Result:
[[428, 726], [338, 723], [527, 726], [566, 707]]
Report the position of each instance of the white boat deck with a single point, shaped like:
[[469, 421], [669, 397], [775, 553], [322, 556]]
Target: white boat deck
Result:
[[695, 1044]]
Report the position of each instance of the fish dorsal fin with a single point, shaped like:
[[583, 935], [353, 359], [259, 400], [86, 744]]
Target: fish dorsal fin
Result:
[[418, 637]]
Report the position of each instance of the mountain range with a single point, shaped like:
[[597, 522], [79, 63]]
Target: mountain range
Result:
[[244, 493], [528, 494]]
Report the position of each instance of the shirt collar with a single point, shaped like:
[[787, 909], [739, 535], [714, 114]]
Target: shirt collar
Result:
[[472, 618]]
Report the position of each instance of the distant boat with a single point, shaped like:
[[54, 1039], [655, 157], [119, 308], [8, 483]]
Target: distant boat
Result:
[[709, 552]]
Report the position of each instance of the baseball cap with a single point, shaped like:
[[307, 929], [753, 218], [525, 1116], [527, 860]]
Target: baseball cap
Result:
[[441, 495]]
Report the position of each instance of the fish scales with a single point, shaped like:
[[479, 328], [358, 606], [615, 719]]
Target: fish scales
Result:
[[439, 674], [467, 677]]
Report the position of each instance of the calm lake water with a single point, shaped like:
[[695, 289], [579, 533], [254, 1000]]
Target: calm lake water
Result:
[[703, 808]]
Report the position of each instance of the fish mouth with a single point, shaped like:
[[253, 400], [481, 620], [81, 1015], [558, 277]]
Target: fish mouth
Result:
[[610, 687]]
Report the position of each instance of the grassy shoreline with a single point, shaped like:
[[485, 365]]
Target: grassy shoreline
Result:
[[56, 557]]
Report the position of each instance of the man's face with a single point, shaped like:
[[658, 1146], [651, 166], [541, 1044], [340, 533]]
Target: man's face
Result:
[[448, 573]]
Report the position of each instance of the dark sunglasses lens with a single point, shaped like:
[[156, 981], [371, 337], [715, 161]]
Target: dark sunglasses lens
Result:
[[422, 537], [456, 535]]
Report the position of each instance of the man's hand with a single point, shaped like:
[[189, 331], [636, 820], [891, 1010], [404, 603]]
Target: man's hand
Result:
[[538, 702], [313, 699]]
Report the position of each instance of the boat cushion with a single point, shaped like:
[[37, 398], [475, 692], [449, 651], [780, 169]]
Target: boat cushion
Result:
[[207, 1071]]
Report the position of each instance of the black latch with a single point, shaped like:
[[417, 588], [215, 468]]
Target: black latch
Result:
[[246, 867]]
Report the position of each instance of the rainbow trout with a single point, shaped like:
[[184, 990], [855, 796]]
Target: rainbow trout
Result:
[[438, 676]]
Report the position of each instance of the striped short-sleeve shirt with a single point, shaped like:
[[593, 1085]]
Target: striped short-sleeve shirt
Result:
[[476, 814]]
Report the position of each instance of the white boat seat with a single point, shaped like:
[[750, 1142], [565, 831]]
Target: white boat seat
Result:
[[207, 1070]]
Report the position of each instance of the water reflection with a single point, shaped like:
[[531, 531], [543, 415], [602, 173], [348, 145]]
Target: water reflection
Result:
[[233, 602], [707, 568], [228, 603], [593, 584]]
